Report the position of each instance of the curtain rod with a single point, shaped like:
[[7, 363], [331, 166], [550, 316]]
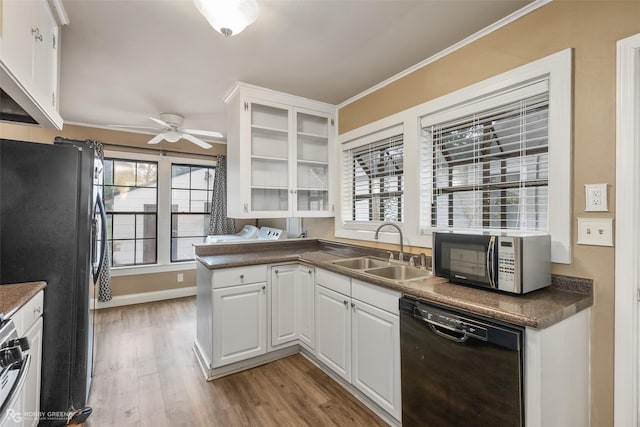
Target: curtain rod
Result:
[[161, 151]]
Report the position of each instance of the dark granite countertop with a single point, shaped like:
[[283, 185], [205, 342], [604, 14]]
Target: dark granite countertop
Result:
[[13, 296], [539, 309]]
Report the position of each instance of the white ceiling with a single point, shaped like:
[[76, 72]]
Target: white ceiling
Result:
[[125, 60]]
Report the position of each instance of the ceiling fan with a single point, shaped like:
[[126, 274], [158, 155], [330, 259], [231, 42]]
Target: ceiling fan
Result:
[[172, 131]]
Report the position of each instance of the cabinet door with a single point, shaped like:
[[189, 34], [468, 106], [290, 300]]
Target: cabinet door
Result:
[[305, 305], [284, 313], [376, 355], [31, 391], [19, 30], [239, 323], [312, 166], [270, 141], [45, 55], [333, 331]]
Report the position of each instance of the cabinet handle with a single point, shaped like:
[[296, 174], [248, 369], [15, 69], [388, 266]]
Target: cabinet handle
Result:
[[246, 208], [242, 277], [246, 106], [353, 305], [37, 310], [346, 303], [264, 287]]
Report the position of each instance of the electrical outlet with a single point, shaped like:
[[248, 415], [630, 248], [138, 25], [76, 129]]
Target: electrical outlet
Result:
[[596, 198], [595, 231], [180, 277]]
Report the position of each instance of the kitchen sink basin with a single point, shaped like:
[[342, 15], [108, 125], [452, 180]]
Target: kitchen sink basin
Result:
[[361, 263], [398, 272]]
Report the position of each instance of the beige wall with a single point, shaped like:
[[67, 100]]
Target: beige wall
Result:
[[592, 29]]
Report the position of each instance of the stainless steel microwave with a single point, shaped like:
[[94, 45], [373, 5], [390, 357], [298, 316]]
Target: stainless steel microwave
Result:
[[506, 262]]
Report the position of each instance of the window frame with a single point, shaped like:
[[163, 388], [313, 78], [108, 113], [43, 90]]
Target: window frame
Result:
[[189, 212], [133, 213], [163, 237], [557, 68]]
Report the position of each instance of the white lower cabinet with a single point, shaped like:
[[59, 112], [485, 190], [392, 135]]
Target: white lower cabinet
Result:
[[358, 336], [239, 323], [292, 305], [375, 361], [28, 322], [333, 331]]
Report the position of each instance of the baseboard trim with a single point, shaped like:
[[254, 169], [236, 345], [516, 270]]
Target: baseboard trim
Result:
[[140, 298]]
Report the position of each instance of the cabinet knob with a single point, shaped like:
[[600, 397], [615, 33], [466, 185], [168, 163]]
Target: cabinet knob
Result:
[[276, 271], [37, 310], [264, 287], [353, 305], [242, 277], [310, 272], [346, 303]]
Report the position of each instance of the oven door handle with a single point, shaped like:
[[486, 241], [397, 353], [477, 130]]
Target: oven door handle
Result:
[[17, 387]]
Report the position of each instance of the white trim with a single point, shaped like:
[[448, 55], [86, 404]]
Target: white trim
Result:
[[143, 297], [627, 233], [464, 42], [153, 268]]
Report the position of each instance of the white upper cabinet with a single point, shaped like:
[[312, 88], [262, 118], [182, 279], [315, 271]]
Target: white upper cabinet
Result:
[[29, 58], [280, 150]]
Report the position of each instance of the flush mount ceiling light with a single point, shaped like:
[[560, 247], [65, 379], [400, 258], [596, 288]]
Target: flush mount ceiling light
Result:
[[228, 17]]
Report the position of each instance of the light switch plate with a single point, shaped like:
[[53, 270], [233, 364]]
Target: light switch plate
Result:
[[596, 198], [595, 231]]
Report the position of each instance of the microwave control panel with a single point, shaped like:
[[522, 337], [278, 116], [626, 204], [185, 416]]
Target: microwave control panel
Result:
[[507, 266]]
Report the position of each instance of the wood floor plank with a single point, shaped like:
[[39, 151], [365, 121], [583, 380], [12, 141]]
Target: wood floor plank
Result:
[[146, 374]]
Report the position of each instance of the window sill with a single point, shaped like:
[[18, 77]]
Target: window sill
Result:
[[152, 268]]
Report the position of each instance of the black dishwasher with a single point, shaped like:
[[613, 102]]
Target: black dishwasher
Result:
[[459, 369]]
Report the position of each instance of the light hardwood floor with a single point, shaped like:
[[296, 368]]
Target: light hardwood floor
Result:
[[146, 374]]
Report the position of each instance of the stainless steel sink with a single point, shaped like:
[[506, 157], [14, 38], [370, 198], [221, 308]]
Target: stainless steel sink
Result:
[[399, 272], [361, 263]]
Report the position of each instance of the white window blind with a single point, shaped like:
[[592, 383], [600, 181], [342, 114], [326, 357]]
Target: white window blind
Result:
[[373, 180], [489, 168]]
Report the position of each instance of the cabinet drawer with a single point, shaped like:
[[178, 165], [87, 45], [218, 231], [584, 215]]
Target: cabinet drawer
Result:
[[239, 276], [377, 296], [28, 313], [334, 281]]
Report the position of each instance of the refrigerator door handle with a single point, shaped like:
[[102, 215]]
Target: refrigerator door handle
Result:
[[103, 237]]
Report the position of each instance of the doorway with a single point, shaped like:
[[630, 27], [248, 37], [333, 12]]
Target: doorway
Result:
[[627, 270]]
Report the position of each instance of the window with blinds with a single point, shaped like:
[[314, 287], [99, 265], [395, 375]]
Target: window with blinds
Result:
[[373, 180], [490, 167]]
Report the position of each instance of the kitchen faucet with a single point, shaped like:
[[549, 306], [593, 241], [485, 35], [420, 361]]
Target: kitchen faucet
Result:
[[401, 254]]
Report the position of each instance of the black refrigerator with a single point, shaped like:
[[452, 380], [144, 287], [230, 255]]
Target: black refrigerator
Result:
[[51, 229]]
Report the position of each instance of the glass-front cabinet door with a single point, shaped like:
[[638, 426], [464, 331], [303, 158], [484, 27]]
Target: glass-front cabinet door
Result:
[[270, 153], [311, 189]]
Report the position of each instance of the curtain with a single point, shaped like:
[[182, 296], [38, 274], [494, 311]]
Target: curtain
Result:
[[218, 221]]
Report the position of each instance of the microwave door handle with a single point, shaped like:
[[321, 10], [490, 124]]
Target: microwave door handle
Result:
[[490, 253]]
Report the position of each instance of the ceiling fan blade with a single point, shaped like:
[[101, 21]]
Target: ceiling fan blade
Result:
[[133, 127], [156, 139], [196, 140], [161, 122], [212, 134]]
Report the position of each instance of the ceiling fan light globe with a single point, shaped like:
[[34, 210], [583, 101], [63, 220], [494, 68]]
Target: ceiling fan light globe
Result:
[[228, 17], [172, 136]]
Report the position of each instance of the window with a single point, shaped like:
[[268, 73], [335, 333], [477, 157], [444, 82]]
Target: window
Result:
[[373, 179], [490, 169], [131, 202], [191, 191]]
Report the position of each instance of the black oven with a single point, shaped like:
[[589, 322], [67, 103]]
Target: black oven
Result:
[[14, 367]]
